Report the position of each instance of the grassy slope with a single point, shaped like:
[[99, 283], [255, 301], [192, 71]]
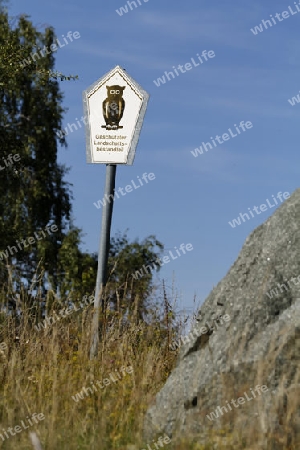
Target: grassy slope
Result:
[[41, 371]]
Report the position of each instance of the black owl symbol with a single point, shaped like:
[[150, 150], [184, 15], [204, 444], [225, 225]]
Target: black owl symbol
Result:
[[113, 107]]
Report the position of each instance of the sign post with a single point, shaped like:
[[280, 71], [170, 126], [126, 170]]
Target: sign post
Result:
[[114, 102]]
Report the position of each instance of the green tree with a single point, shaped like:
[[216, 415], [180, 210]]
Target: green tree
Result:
[[78, 270], [130, 295], [33, 191], [12, 49]]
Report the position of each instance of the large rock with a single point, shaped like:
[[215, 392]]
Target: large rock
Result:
[[260, 345]]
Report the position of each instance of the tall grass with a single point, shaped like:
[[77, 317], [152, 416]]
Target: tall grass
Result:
[[41, 371]]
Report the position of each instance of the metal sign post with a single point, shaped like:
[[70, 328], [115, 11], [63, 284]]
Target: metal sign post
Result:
[[103, 252], [114, 102]]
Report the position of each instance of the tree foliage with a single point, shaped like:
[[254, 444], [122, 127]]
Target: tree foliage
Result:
[[124, 260], [17, 44], [78, 270], [33, 192]]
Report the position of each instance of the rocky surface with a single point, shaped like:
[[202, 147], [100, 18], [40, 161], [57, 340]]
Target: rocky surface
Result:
[[259, 345]]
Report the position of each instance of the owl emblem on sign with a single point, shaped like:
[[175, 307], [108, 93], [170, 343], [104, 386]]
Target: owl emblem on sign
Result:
[[113, 107]]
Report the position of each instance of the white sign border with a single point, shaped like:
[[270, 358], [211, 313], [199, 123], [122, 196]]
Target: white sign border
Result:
[[136, 134]]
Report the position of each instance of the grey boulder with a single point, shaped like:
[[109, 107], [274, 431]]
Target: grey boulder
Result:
[[259, 345]]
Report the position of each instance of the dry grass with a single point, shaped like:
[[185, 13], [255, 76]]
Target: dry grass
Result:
[[41, 371]]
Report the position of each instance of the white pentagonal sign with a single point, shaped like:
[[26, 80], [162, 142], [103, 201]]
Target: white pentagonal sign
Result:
[[115, 106]]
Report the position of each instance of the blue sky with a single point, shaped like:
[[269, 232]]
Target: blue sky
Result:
[[191, 199]]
